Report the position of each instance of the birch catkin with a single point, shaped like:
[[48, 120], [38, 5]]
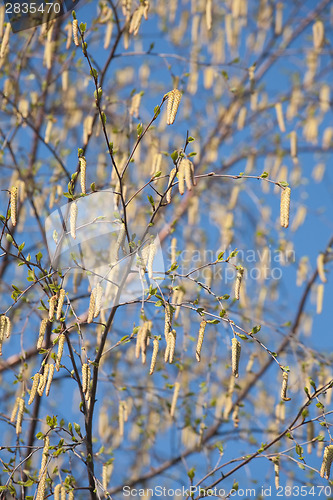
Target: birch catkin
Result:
[[172, 345], [42, 331], [168, 319], [83, 169], [181, 177], [53, 301], [76, 32], [62, 294], [279, 117], [34, 388], [92, 304], [238, 282], [276, 462], [173, 104], [327, 462], [235, 356], [284, 387], [154, 356], [293, 144], [174, 399], [61, 343], [151, 255], [13, 205], [200, 339], [320, 267], [73, 219], [285, 207], [318, 32], [98, 300], [20, 416], [320, 298], [49, 379], [169, 189]]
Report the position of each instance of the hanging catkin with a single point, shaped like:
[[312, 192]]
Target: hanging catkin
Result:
[[276, 462], [42, 331], [172, 345], [173, 104], [181, 176], [52, 302], [83, 169], [13, 205], [310, 435], [320, 267], [320, 298], [168, 319], [327, 462], [34, 388], [318, 31], [92, 304], [284, 387], [293, 144], [20, 416], [154, 356], [235, 355], [49, 379], [76, 32], [200, 339], [61, 299], [98, 299], [44, 456], [5, 328], [285, 207], [61, 343], [174, 399], [169, 189], [73, 219], [151, 255], [279, 116], [240, 272]]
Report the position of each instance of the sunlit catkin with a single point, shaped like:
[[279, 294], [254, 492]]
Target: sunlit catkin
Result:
[[200, 339], [98, 299], [235, 356], [173, 104], [320, 298], [42, 331], [33, 392], [76, 32], [169, 189], [173, 250], [61, 299], [174, 399], [43, 380], [276, 462], [320, 267], [284, 387], [181, 177], [168, 319], [121, 418], [318, 32], [310, 435], [61, 343], [49, 379], [44, 455], [154, 356], [327, 462], [151, 255], [52, 302], [14, 410], [172, 345], [13, 205], [279, 117], [209, 15], [240, 272], [57, 492], [83, 170], [73, 219], [41, 487], [92, 304], [84, 377], [293, 144], [19, 416], [285, 207]]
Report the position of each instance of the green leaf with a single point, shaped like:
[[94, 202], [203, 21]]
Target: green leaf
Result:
[[139, 129], [191, 473], [103, 117], [220, 256], [192, 154], [283, 183], [190, 139], [264, 175], [255, 329], [174, 156]]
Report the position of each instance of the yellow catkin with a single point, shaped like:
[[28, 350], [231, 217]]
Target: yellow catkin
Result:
[[235, 356], [84, 377], [284, 387], [276, 462], [168, 319], [61, 343], [320, 267], [49, 379], [34, 388], [241, 118], [61, 299], [285, 207], [318, 32], [41, 487], [43, 380], [235, 416], [70, 495], [310, 436], [320, 298], [279, 116], [4, 42], [169, 189], [151, 255], [106, 474], [173, 250], [14, 410], [200, 339], [173, 104], [5, 327], [44, 455], [278, 18], [76, 32], [154, 356], [98, 300], [188, 173], [181, 177], [83, 170], [240, 272], [57, 491], [144, 339], [92, 303], [88, 377], [42, 331], [13, 205], [209, 16], [293, 144], [73, 219], [172, 345], [52, 302], [174, 399], [327, 462], [20, 416], [138, 342]]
